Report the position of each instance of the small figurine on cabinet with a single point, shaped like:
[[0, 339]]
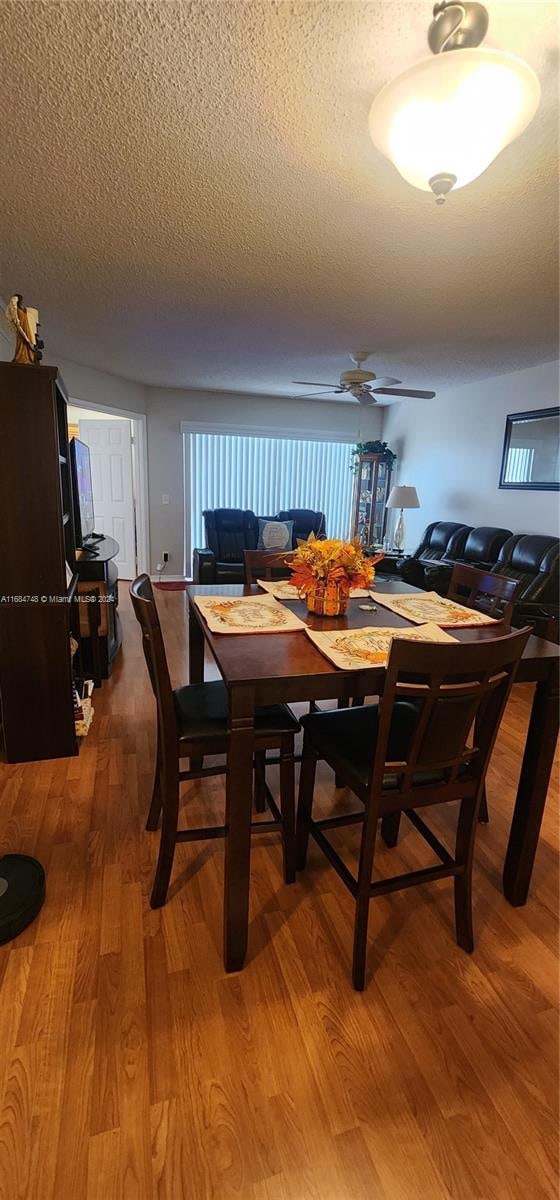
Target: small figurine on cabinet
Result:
[[25, 323]]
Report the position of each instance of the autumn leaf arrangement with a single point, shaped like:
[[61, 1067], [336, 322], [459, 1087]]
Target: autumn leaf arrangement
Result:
[[331, 562]]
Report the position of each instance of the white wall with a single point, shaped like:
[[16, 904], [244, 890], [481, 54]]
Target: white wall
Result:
[[84, 383], [167, 408], [97, 387], [450, 449]]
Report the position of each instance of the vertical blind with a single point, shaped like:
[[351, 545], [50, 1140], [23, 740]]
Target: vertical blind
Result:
[[267, 474], [519, 467]]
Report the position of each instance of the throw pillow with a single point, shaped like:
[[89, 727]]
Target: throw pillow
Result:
[[275, 535]]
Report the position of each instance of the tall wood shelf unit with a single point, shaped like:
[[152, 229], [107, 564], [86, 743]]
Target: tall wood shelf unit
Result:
[[38, 609]]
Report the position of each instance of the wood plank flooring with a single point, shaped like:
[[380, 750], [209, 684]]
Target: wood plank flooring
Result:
[[132, 1066]]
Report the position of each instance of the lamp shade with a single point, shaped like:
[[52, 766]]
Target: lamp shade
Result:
[[403, 497], [452, 114]]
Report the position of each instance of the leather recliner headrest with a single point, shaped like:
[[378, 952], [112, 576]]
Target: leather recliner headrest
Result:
[[230, 520], [441, 534], [485, 542], [531, 552]]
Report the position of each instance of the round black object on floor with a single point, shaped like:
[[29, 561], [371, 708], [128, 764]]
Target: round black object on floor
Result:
[[22, 892]]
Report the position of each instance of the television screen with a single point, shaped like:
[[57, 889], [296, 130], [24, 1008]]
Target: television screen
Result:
[[83, 491]]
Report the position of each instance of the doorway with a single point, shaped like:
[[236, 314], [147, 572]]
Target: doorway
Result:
[[118, 473]]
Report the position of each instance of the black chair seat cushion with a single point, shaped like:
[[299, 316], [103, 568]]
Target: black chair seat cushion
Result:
[[201, 710], [350, 734]]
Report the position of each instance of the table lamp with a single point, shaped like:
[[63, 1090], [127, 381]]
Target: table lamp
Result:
[[402, 497]]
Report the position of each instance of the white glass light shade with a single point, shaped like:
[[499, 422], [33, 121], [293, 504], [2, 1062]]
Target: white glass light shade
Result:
[[453, 113]]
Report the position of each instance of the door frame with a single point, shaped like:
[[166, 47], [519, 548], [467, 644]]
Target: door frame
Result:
[[140, 473]]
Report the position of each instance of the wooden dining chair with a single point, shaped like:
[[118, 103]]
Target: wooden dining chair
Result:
[[266, 564], [192, 722], [411, 751], [491, 594]]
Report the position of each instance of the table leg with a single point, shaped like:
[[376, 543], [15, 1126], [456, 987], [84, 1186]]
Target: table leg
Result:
[[531, 794], [390, 825], [196, 649], [239, 795], [196, 667]]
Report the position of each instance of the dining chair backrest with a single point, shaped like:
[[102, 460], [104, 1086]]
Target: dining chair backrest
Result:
[[440, 689], [144, 605], [492, 594], [266, 564]]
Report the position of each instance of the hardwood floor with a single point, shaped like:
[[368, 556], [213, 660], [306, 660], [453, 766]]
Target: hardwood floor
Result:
[[131, 1066]]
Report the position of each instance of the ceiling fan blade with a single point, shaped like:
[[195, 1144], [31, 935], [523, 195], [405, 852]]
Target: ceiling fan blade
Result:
[[366, 399], [389, 391], [309, 395], [386, 381], [306, 383]]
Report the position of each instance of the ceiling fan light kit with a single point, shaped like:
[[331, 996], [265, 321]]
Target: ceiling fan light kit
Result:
[[444, 120]]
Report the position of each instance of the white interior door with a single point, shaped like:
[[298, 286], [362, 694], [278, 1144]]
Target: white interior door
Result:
[[111, 471]]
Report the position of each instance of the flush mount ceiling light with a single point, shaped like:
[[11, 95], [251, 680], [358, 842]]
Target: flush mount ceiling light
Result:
[[446, 119]]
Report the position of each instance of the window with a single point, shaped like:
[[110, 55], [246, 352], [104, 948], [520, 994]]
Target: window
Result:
[[266, 474]]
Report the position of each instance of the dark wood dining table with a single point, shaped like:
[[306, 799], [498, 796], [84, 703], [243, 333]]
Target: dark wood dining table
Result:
[[288, 668]]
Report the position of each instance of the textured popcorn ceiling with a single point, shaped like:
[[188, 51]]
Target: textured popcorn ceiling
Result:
[[190, 195]]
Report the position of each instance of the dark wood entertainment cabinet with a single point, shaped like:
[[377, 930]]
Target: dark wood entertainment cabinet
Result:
[[39, 605]]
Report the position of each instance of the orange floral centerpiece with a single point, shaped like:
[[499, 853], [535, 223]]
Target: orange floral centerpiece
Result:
[[325, 570]]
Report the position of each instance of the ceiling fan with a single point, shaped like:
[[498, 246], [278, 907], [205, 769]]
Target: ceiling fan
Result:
[[362, 385]]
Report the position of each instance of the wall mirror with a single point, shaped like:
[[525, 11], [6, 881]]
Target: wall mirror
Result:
[[530, 459]]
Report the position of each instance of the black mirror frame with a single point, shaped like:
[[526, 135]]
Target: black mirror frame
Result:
[[511, 419]]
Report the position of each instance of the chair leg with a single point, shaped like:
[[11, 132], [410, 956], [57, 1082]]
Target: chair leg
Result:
[[305, 802], [363, 899], [464, 853], [288, 808], [155, 803], [483, 810], [260, 781], [390, 826], [167, 839]]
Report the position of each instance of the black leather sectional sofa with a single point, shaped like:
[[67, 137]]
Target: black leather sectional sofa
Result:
[[531, 558], [445, 543]]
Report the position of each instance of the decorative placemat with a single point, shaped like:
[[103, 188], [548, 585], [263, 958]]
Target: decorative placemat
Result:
[[282, 589], [370, 646], [431, 607], [247, 614]]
